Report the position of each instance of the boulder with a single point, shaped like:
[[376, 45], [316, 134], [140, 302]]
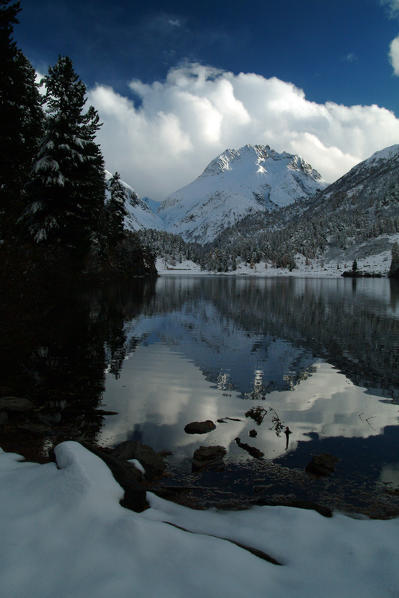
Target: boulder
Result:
[[127, 476], [322, 465], [253, 433], [209, 457], [200, 427], [152, 461]]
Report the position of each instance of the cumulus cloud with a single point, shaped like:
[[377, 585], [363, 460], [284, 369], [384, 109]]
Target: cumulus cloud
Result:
[[167, 138], [394, 54]]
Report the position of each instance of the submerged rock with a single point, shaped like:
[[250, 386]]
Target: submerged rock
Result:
[[322, 465], [200, 427], [209, 457]]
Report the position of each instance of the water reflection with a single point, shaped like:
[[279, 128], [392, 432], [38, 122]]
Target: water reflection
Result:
[[319, 355], [55, 348]]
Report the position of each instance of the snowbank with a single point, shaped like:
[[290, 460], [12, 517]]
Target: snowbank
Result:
[[64, 534]]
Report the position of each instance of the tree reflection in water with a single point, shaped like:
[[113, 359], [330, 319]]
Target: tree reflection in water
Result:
[[55, 348]]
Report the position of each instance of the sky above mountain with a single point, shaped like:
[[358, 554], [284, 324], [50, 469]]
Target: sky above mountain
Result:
[[176, 83]]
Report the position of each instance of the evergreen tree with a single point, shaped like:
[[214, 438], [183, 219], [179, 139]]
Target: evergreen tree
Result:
[[394, 269], [116, 210], [67, 190], [21, 121]]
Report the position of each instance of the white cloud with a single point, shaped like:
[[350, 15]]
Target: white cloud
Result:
[[393, 6], [394, 54], [197, 112]]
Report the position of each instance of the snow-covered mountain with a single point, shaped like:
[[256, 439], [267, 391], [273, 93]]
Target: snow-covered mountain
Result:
[[369, 180], [236, 183], [354, 218], [140, 216]]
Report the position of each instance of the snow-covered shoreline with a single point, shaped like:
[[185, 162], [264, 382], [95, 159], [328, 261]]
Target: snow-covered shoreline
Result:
[[317, 269], [64, 534]]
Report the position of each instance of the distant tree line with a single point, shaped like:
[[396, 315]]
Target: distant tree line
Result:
[[56, 209]]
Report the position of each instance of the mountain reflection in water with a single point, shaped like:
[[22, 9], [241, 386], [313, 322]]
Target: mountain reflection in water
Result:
[[321, 356]]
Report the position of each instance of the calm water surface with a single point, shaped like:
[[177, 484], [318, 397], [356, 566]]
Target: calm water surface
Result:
[[320, 356]]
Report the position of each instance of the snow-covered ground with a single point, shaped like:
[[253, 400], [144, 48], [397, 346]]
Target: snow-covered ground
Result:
[[317, 268], [64, 534]]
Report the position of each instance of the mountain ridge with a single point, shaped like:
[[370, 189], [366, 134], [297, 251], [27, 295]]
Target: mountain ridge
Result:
[[139, 214], [253, 178], [355, 217]]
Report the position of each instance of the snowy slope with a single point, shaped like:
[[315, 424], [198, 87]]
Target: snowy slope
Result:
[[372, 176], [238, 182], [140, 216], [65, 534], [356, 217], [385, 154]]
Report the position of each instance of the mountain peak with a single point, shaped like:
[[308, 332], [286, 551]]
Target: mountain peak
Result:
[[259, 155], [253, 178]]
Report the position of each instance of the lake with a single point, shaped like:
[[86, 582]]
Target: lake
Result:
[[317, 356]]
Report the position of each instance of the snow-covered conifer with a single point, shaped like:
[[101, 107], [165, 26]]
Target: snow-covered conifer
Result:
[[116, 210], [68, 183], [394, 269], [21, 121]]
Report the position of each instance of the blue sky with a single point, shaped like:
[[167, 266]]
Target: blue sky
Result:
[[334, 51]]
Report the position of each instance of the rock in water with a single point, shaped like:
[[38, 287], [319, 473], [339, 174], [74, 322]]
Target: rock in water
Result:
[[209, 457], [200, 427], [152, 461]]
